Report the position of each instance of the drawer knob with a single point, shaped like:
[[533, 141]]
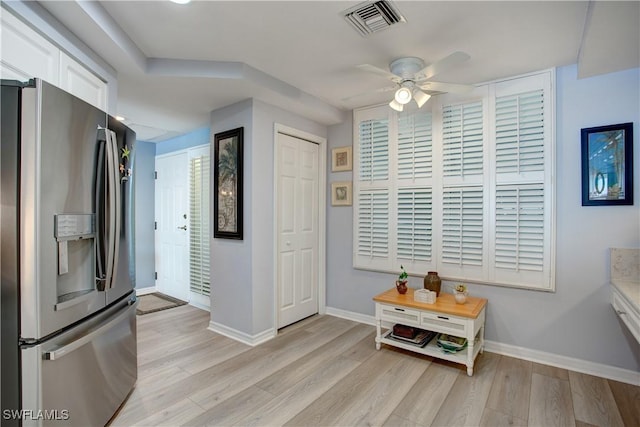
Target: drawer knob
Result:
[[443, 317], [398, 309]]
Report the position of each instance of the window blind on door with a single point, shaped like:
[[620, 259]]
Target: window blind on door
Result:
[[199, 271]]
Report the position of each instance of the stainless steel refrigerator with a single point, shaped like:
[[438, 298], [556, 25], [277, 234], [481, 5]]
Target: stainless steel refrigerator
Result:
[[67, 259]]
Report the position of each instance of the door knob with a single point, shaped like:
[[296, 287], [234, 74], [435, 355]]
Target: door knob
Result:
[[184, 227]]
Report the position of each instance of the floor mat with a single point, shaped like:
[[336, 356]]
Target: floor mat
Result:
[[156, 301]]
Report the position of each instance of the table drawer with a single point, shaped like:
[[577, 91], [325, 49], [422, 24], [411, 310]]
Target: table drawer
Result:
[[402, 315], [444, 323]]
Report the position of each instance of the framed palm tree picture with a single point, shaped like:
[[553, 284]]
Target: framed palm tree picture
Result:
[[227, 181]]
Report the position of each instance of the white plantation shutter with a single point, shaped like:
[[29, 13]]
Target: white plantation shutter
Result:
[[463, 186], [373, 224], [462, 226], [520, 227], [374, 150], [414, 224], [199, 271], [414, 145], [520, 138], [462, 139]]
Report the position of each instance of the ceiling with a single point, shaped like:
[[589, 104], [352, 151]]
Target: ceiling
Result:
[[177, 63]]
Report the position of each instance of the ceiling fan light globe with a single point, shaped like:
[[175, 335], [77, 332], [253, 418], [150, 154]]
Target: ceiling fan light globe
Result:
[[420, 97], [403, 96], [396, 105]]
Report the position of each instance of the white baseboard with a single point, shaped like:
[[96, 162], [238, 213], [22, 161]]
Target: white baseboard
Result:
[[145, 291], [350, 315], [200, 306], [565, 362], [252, 340], [559, 361]]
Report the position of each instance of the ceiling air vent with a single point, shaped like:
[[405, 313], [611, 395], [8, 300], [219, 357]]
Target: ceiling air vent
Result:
[[373, 16]]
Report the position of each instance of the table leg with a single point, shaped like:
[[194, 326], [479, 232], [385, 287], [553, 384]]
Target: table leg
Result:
[[378, 333], [470, 343]]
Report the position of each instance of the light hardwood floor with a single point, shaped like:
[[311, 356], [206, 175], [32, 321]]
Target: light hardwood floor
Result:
[[325, 371]]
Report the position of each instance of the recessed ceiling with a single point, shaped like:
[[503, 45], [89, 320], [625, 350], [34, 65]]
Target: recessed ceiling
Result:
[[177, 63]]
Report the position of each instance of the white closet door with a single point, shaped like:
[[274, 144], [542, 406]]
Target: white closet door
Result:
[[297, 216]]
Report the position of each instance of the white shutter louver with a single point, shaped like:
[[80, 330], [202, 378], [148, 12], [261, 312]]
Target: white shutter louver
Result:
[[520, 132], [373, 224], [374, 150], [414, 145], [462, 226], [462, 140], [415, 232], [199, 271], [520, 227]]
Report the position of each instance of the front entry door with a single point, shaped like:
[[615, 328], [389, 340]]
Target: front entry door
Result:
[[172, 250], [297, 216]]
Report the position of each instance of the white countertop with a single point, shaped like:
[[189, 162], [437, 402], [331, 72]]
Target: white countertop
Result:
[[630, 290]]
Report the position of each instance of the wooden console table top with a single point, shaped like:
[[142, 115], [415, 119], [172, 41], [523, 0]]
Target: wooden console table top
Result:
[[445, 303]]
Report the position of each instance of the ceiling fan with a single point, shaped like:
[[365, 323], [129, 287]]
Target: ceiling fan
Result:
[[413, 79]]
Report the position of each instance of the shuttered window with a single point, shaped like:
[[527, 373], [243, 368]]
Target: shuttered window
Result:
[[374, 150], [415, 229], [462, 226], [520, 132], [462, 186], [373, 224], [199, 271], [520, 227], [462, 139], [414, 145]]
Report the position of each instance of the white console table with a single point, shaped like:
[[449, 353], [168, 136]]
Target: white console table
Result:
[[445, 316]]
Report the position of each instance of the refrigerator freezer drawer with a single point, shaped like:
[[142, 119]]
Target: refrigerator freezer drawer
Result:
[[86, 375]]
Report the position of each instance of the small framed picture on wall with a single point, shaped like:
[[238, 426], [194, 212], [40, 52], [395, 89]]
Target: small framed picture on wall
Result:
[[341, 159], [607, 165], [341, 193]]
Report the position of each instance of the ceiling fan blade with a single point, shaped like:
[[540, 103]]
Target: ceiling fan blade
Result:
[[446, 87], [380, 90], [379, 71], [442, 65]]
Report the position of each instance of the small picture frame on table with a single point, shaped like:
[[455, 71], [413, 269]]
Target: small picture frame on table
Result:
[[607, 165], [341, 159]]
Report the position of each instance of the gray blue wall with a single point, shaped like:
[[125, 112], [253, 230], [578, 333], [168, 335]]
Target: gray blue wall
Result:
[[242, 271], [144, 186], [182, 142], [577, 320]]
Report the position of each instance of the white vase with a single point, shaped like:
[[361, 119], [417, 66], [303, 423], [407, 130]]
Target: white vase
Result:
[[461, 297]]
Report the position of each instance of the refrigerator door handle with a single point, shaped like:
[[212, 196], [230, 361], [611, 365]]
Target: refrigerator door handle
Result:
[[99, 197], [74, 345], [113, 166]]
